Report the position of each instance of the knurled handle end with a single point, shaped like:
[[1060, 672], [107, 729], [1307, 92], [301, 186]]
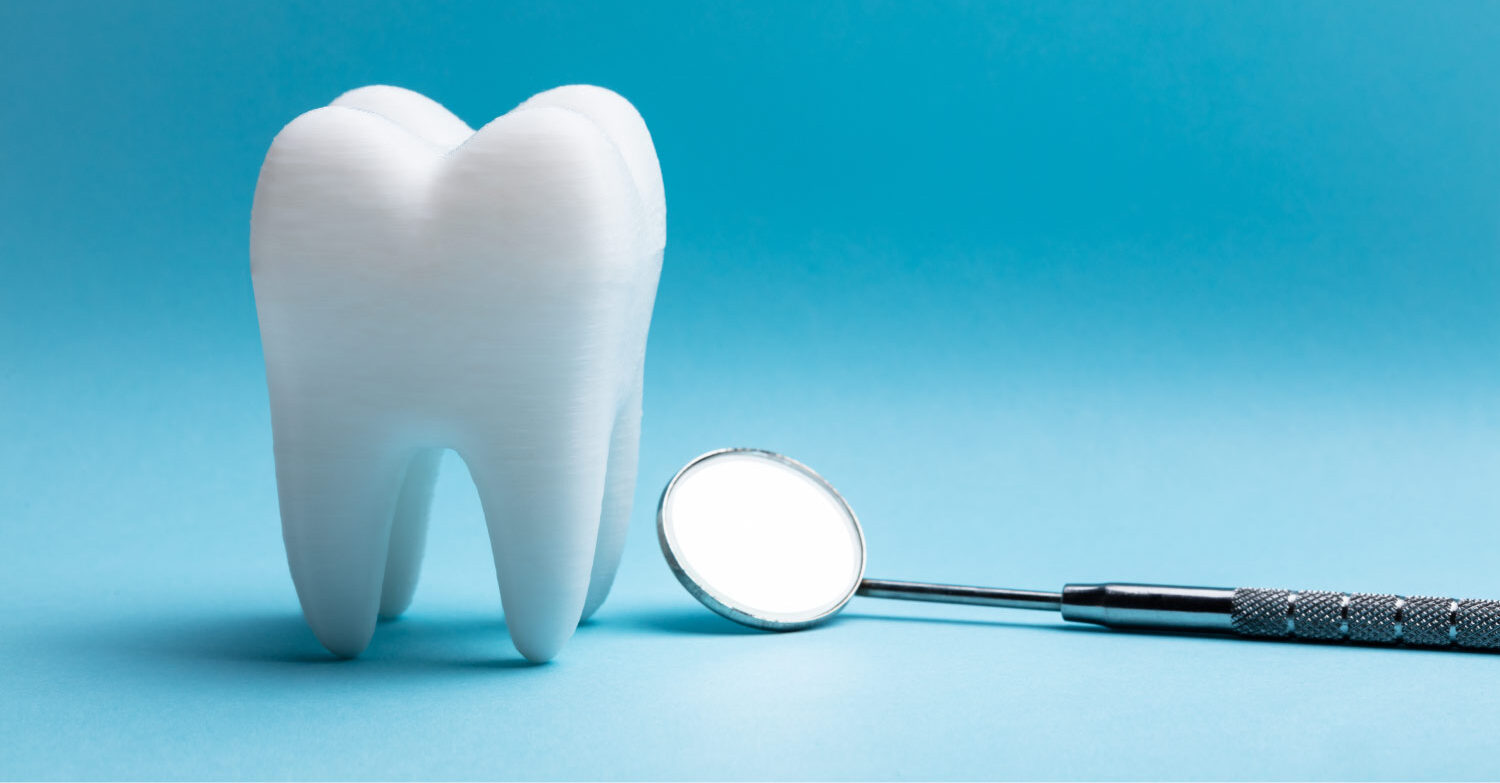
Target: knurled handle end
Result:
[[1365, 617]]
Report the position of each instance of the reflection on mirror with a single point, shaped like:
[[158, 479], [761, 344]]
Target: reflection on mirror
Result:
[[761, 538]]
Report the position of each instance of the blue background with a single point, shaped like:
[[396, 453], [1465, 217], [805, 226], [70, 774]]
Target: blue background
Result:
[[1170, 291]]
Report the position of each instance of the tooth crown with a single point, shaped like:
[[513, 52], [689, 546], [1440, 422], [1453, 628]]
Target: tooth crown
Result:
[[495, 282], [421, 286]]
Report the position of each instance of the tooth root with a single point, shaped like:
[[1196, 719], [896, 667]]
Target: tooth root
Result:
[[338, 497], [542, 490], [409, 533], [627, 131], [619, 497]]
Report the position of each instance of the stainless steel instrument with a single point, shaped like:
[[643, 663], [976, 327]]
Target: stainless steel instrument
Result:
[[764, 540], [1247, 611]]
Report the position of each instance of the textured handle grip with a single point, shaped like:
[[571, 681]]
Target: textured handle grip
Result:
[[1363, 617]]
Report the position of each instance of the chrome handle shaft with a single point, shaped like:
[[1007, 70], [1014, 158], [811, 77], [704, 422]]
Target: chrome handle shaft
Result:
[[960, 594]]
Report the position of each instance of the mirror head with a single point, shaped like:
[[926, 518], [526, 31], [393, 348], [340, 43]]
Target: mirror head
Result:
[[761, 539]]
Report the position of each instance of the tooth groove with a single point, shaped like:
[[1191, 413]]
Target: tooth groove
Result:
[[542, 490]]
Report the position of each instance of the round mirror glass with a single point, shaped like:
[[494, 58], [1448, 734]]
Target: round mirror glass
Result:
[[761, 539]]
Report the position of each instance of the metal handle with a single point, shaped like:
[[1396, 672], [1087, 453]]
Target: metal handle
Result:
[[1365, 617], [1247, 611], [1282, 614]]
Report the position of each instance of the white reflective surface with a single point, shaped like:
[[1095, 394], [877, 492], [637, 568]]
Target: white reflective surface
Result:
[[761, 538]]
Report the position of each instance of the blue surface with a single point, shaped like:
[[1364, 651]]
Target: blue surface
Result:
[[1181, 292]]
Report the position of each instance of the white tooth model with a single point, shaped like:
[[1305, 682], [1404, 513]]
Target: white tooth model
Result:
[[424, 286]]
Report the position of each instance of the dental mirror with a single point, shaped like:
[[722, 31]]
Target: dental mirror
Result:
[[765, 541], [761, 539]]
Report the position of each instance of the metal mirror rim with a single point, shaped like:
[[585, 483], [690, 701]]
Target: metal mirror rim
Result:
[[723, 607]]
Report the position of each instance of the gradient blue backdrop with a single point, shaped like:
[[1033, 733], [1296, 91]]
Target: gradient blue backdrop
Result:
[[1166, 291]]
